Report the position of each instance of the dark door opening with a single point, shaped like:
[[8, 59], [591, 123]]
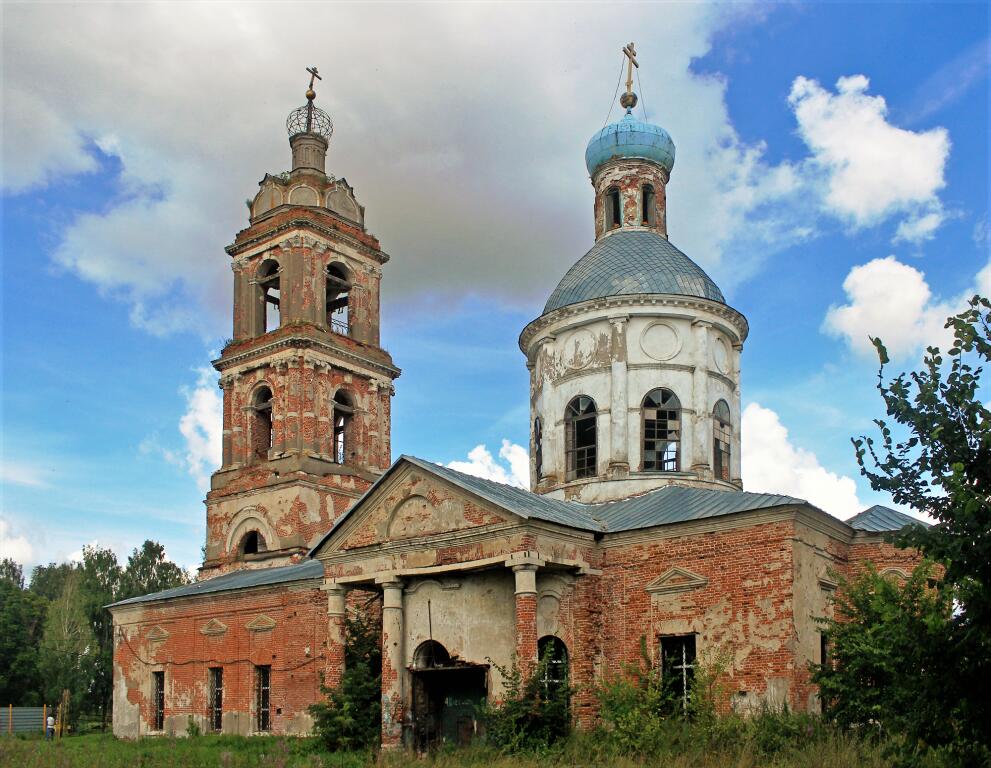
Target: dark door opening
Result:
[[446, 697]]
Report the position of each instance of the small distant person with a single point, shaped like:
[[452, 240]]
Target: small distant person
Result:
[[50, 728]]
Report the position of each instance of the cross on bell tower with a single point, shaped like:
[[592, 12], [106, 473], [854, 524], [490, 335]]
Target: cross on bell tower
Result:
[[307, 386]]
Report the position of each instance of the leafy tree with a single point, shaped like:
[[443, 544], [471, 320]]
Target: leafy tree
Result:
[[940, 465], [99, 585], [149, 571], [67, 655], [352, 716], [11, 570], [22, 618], [49, 580]]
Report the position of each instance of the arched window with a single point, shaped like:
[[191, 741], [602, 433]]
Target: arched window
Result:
[[343, 414], [252, 543], [661, 431], [261, 428], [579, 438], [270, 296], [649, 205], [430, 655], [553, 655], [338, 294], [614, 211], [538, 451], [722, 432]]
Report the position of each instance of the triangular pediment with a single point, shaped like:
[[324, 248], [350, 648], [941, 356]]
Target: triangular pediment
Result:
[[157, 633], [213, 627], [260, 623], [676, 580], [411, 502]]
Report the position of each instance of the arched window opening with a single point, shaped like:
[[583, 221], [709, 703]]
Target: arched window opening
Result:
[[343, 415], [649, 204], [661, 431], [431, 655], [338, 296], [580, 442], [722, 432], [253, 543], [261, 432], [538, 451], [269, 285], [553, 655], [614, 212]]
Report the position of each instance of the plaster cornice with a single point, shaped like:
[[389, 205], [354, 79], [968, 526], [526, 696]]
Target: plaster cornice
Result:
[[303, 342], [297, 222]]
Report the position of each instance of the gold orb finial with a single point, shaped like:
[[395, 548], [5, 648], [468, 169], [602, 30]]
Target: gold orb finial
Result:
[[310, 94]]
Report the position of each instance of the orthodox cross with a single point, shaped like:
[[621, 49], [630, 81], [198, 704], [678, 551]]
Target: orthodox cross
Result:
[[313, 75], [631, 53]]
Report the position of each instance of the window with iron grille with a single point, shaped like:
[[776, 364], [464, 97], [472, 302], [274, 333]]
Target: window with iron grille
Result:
[[338, 292], [661, 431], [553, 654], [216, 698], [263, 698], [678, 669], [580, 439], [158, 700], [722, 432], [343, 415]]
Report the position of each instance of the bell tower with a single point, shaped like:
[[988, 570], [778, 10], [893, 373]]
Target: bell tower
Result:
[[306, 385]]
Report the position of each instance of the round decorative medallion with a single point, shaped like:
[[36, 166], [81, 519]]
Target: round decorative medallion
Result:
[[720, 355], [578, 349], [660, 341]]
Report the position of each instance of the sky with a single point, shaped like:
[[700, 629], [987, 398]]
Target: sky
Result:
[[831, 177]]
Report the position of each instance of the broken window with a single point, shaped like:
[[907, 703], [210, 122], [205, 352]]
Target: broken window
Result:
[[614, 213], [343, 415], [261, 432], [649, 216], [263, 698], [553, 655], [580, 442], [678, 669], [269, 287], [722, 432], [253, 543], [338, 296], [538, 451], [661, 431], [216, 713], [158, 700]]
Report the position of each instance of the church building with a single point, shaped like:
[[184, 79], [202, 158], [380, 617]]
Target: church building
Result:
[[636, 528]]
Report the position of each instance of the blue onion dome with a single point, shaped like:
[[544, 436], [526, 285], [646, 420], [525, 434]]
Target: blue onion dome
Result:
[[632, 262], [630, 137]]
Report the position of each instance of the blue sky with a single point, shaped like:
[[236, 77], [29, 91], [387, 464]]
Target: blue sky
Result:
[[832, 177]]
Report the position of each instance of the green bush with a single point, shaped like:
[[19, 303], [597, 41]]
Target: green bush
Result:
[[351, 719], [534, 714]]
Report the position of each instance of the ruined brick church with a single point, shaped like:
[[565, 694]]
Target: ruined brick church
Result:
[[635, 525]]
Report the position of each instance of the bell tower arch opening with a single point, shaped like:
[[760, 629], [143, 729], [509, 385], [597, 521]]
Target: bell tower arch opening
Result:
[[337, 306]]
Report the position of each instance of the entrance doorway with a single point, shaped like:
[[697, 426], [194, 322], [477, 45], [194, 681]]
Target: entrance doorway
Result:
[[446, 697]]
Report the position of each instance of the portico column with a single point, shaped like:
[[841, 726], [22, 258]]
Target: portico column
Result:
[[392, 664], [619, 437], [526, 617], [336, 615]]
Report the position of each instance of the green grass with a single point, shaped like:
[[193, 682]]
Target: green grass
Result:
[[103, 751]]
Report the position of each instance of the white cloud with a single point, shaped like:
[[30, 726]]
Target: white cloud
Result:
[[20, 473], [13, 545], [873, 169], [892, 301], [773, 464], [515, 469], [202, 428]]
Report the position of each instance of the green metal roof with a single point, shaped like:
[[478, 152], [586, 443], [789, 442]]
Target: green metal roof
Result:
[[240, 579], [627, 262], [878, 519]]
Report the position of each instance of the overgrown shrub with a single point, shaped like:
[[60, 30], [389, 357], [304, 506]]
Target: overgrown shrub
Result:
[[534, 713], [351, 718]]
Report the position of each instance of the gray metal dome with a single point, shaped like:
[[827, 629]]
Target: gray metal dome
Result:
[[632, 262]]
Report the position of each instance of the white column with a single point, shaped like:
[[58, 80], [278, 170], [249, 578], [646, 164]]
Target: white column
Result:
[[619, 433], [700, 460], [392, 663]]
